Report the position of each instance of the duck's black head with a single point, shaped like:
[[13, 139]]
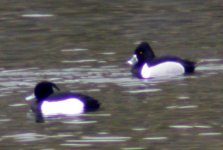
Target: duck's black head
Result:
[[44, 89], [143, 53]]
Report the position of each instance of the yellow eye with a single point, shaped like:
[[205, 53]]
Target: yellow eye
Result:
[[140, 52]]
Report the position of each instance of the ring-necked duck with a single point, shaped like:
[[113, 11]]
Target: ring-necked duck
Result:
[[146, 65], [49, 101]]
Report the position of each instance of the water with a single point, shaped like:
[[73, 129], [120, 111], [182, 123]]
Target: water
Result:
[[83, 46]]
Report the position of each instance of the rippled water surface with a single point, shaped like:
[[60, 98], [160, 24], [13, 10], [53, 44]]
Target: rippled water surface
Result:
[[83, 46]]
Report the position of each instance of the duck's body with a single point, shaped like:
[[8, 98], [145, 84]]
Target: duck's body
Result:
[[145, 65], [67, 103], [48, 102]]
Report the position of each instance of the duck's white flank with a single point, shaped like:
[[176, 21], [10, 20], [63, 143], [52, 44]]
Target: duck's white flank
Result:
[[71, 106], [164, 69]]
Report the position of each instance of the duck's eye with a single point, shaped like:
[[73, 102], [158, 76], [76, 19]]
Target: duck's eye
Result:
[[140, 52]]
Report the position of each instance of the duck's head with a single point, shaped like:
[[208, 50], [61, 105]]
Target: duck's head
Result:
[[143, 53], [44, 89]]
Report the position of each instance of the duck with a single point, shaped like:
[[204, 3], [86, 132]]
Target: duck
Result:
[[50, 101], [145, 64]]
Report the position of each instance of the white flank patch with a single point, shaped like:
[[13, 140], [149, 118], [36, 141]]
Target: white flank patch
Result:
[[71, 106], [161, 70]]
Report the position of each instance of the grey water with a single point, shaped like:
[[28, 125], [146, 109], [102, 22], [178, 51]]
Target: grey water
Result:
[[83, 46]]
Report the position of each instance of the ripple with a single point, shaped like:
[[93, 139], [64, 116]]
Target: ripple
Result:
[[108, 53], [26, 137], [210, 60], [91, 139], [74, 50], [181, 126], [81, 75], [133, 148], [5, 120], [182, 107], [210, 67], [203, 126], [79, 61], [103, 133], [90, 90], [155, 138], [144, 91], [97, 115], [183, 97], [17, 105], [60, 135], [37, 15], [139, 129], [76, 145], [79, 122], [210, 134], [15, 77], [189, 126]]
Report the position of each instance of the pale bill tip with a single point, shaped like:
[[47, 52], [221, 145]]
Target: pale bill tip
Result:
[[30, 97], [133, 60], [129, 62]]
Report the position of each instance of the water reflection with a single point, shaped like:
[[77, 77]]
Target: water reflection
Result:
[[75, 145], [210, 134], [79, 122], [71, 76], [100, 139], [144, 91], [182, 107], [190, 126], [4, 120], [210, 65], [87, 141], [155, 138], [84, 75], [37, 15], [25, 137], [74, 50], [133, 148]]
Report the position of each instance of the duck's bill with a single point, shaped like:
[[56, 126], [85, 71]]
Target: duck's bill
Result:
[[132, 61], [30, 97]]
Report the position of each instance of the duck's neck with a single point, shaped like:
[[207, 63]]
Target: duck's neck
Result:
[[144, 60]]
